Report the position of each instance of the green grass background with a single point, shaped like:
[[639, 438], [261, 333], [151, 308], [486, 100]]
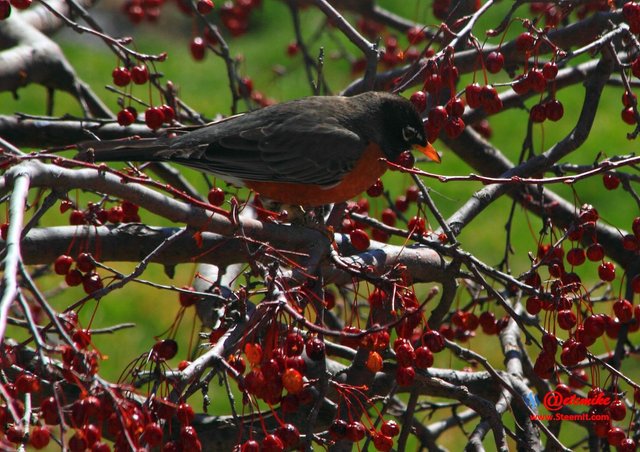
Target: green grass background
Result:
[[203, 85]]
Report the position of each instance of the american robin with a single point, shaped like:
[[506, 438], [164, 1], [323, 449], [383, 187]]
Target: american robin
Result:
[[309, 152]]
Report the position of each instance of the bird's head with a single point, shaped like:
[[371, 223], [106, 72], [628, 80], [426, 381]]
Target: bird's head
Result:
[[403, 128]]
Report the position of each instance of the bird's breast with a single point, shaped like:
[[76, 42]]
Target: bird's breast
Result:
[[364, 174]]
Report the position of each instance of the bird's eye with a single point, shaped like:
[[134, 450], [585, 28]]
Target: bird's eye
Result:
[[409, 133]]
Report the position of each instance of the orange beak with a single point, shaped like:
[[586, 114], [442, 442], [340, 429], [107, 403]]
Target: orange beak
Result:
[[429, 151]]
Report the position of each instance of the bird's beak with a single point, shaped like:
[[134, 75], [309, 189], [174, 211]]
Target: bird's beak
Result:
[[429, 151]]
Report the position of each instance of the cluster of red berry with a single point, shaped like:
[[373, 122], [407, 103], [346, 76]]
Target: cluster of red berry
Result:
[[154, 116], [128, 423], [567, 306], [84, 272]]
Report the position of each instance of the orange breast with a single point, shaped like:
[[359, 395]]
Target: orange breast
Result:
[[367, 170]]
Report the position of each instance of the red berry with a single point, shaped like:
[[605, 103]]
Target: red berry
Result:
[[198, 48], [73, 278], [533, 305], [216, 196], [164, 349], [405, 355], [455, 106], [293, 344], [169, 113], [388, 217], [91, 282], [84, 262], [419, 100], [49, 410], [376, 189], [154, 117], [185, 414], [338, 429], [623, 310], [630, 242], [315, 349], [416, 35], [140, 74], [454, 126], [82, 338], [595, 252], [635, 227], [423, 357], [635, 285], [405, 160], [246, 86], [189, 438], [39, 437], [405, 376], [628, 115], [289, 435], [629, 99], [77, 218], [152, 434], [615, 436], [27, 383], [536, 81], [204, 6], [92, 433], [494, 62], [5, 9], [15, 434], [272, 443], [401, 203], [550, 70], [627, 445], [62, 264], [610, 181], [554, 110], [472, 95], [78, 442], [187, 298], [292, 49], [525, 42], [121, 76], [566, 319], [21, 4], [490, 100], [390, 428], [417, 225], [355, 431], [412, 194], [538, 113], [438, 116], [576, 256], [607, 271], [125, 118], [380, 235], [359, 239], [434, 340], [292, 381], [382, 442], [115, 214], [594, 325], [250, 446], [617, 410]]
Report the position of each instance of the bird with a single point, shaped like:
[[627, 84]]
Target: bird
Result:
[[308, 152]]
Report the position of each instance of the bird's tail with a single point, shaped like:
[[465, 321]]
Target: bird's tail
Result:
[[122, 150]]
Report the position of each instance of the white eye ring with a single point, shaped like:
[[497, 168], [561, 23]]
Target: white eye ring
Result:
[[409, 133]]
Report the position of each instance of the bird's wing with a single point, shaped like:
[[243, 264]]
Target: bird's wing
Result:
[[301, 149]]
